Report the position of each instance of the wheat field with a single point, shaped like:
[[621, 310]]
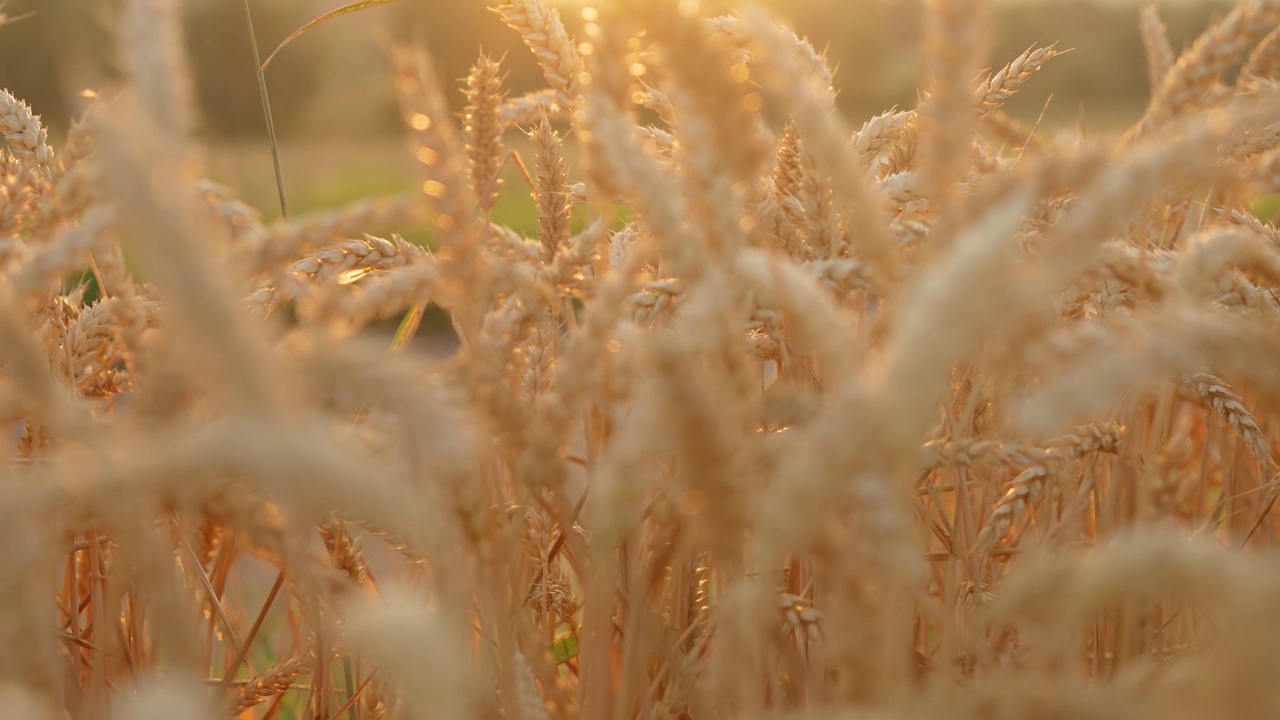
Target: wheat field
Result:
[[778, 414]]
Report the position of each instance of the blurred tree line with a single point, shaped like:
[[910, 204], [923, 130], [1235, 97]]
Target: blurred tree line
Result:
[[333, 81]]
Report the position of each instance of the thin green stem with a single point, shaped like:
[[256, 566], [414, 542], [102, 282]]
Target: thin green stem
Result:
[[266, 110]]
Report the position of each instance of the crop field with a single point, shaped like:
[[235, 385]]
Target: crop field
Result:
[[673, 388]]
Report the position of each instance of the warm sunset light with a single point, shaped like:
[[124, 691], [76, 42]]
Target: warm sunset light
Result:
[[639, 359]]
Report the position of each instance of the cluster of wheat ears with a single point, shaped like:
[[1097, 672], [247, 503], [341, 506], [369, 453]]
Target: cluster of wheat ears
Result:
[[775, 416]]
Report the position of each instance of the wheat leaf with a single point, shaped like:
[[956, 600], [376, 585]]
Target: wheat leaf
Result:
[[353, 7]]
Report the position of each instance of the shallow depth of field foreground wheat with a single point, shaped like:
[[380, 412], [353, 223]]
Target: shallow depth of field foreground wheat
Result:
[[780, 413]]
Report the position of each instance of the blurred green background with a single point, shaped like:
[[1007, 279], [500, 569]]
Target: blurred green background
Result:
[[337, 121]]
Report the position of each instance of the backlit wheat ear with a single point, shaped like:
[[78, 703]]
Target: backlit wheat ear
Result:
[[273, 681], [482, 129], [343, 550], [876, 136], [826, 135], [1027, 487], [544, 33], [26, 135], [1201, 65], [804, 198], [993, 91], [551, 189], [1230, 407], [342, 263]]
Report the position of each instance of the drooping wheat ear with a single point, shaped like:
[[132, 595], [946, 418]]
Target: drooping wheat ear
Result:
[[393, 539], [660, 142], [550, 176], [23, 130], [482, 130], [1201, 65], [655, 298], [237, 219], [655, 100], [997, 88], [1155, 40], [1027, 487], [1247, 143], [1251, 222], [510, 245], [969, 452], [875, 136], [544, 33], [344, 552], [901, 189], [887, 144], [527, 109], [289, 239], [275, 680], [1217, 250], [341, 263], [1235, 293], [1230, 407]]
